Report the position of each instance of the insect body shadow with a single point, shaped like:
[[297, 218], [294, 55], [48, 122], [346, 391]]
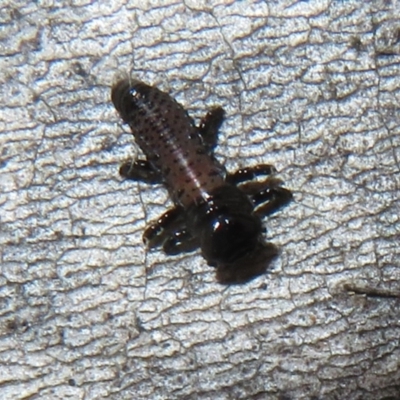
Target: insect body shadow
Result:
[[218, 212]]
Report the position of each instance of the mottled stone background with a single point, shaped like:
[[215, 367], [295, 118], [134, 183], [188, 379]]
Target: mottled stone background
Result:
[[312, 87]]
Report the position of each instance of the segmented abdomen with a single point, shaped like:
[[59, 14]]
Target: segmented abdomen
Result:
[[169, 140]]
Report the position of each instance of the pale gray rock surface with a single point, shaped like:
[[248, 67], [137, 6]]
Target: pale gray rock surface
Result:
[[312, 87]]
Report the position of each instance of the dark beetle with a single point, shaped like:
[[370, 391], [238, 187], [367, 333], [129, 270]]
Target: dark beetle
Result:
[[214, 210]]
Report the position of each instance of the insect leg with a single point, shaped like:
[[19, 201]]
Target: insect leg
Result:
[[268, 196], [209, 127], [244, 175], [140, 170], [180, 241], [160, 230]]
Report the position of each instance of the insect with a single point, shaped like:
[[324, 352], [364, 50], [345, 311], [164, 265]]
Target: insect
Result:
[[216, 211]]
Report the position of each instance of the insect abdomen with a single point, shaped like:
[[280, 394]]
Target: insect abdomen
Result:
[[169, 140]]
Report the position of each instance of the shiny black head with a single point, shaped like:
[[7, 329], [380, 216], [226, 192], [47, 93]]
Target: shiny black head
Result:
[[226, 238], [249, 266], [233, 244]]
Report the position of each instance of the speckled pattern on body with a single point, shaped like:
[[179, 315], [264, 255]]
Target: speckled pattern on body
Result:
[[214, 210], [171, 142]]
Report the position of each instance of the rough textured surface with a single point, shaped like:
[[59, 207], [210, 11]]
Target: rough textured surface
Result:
[[312, 87]]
